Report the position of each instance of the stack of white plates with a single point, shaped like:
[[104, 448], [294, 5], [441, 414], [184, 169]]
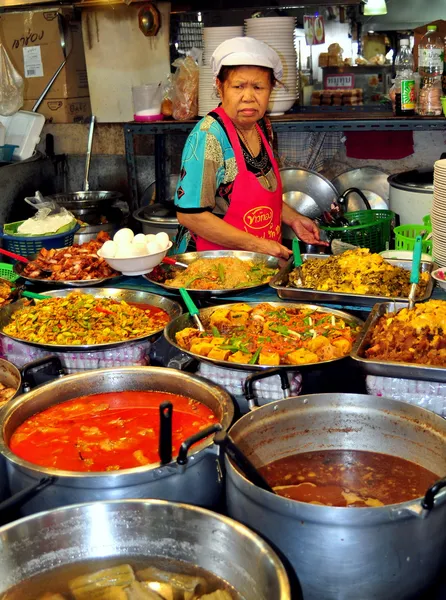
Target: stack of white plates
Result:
[[278, 32], [207, 96], [214, 36], [438, 215]]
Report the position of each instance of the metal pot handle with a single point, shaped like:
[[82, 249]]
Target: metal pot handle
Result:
[[27, 371], [18, 499], [248, 386], [193, 439], [428, 502], [360, 193]]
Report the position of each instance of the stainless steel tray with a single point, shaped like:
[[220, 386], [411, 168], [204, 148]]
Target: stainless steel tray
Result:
[[390, 369], [173, 309], [186, 320], [279, 281], [190, 257]]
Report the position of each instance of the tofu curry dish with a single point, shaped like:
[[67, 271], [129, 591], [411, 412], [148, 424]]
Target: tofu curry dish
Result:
[[348, 478]]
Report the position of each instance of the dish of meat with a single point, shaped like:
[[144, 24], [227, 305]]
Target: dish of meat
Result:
[[71, 265]]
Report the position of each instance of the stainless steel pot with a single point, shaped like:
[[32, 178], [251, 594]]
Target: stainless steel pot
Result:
[[10, 377], [197, 481], [138, 528], [389, 553]]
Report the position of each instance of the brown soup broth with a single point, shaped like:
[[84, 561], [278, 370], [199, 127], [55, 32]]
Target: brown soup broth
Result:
[[348, 478], [56, 580]]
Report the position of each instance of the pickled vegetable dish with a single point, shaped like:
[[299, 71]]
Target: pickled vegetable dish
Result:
[[141, 579], [106, 432], [270, 335], [354, 478], [81, 319]]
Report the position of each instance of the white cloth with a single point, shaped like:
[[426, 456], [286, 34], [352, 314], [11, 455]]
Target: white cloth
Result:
[[246, 51]]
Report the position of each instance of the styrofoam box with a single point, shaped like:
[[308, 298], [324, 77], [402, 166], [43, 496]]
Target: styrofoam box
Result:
[[23, 129]]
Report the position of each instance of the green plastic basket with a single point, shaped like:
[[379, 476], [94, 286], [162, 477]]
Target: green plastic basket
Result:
[[7, 272], [373, 232], [427, 221], [405, 237]]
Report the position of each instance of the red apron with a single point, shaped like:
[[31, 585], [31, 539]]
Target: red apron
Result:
[[252, 208]]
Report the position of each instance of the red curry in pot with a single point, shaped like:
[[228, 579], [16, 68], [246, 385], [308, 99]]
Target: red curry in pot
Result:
[[106, 432]]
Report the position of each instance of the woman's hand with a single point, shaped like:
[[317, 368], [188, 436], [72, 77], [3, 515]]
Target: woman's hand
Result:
[[307, 230], [272, 248]]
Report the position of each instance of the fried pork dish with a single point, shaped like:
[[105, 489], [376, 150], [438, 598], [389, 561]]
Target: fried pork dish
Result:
[[79, 319], [357, 272], [267, 335], [75, 263], [411, 336], [221, 274]]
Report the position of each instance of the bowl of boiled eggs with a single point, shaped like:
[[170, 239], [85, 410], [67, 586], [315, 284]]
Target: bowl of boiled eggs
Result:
[[135, 254]]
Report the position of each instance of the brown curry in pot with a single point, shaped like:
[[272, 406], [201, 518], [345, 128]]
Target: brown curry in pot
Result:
[[355, 478]]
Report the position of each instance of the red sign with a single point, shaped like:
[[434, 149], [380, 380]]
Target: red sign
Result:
[[344, 81]]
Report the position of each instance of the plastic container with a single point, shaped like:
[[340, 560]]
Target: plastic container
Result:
[[405, 92], [27, 245], [427, 221], [430, 53], [373, 232], [23, 130], [7, 272], [405, 237], [147, 102], [6, 152]]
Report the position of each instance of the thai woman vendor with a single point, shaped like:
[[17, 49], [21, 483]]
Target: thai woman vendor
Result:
[[229, 193]]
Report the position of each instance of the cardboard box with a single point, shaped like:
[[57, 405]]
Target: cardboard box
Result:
[[63, 110], [32, 41]]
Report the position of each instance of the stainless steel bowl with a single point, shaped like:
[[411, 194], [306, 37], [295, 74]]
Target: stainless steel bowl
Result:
[[138, 529]]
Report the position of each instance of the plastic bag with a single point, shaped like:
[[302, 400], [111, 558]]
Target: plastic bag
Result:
[[185, 89], [166, 104], [50, 217], [11, 86]]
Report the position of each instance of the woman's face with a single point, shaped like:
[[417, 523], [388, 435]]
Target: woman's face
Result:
[[245, 95]]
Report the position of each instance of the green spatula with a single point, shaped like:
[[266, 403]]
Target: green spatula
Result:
[[297, 260], [193, 310]]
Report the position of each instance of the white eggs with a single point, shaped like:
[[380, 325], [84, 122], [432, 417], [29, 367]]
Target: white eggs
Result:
[[139, 238], [124, 236], [150, 237], [124, 250], [163, 239], [139, 249], [154, 248], [109, 248]]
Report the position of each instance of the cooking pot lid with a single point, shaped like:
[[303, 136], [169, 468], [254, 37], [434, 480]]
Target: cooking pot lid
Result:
[[161, 213], [418, 179]]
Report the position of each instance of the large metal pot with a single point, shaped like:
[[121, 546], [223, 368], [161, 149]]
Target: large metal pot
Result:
[[9, 377], [388, 553], [138, 529], [196, 482]]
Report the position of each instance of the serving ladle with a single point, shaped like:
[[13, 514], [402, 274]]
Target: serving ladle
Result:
[[191, 307], [22, 259]]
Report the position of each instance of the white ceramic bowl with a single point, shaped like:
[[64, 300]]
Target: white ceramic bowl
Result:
[[278, 107], [440, 277], [138, 265]]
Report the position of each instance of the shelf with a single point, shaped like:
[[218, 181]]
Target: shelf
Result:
[[320, 121]]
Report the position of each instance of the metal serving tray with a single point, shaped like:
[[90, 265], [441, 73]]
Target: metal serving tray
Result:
[[190, 257], [185, 320], [390, 369], [279, 283]]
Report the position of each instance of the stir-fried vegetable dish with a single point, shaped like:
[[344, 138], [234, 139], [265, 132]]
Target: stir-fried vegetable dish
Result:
[[153, 579], [221, 274], [267, 335], [106, 432], [412, 336], [356, 272], [81, 319]]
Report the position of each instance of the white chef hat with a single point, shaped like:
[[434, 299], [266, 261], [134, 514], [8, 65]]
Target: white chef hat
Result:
[[246, 51]]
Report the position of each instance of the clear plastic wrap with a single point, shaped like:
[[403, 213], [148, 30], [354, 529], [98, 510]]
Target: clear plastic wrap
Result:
[[49, 218], [11, 86], [426, 394], [185, 89]]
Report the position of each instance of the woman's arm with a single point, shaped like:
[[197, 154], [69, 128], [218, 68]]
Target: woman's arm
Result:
[[305, 229], [214, 229]]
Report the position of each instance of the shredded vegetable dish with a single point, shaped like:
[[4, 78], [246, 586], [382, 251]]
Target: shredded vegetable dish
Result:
[[81, 319], [221, 274], [356, 272], [267, 335], [411, 336]]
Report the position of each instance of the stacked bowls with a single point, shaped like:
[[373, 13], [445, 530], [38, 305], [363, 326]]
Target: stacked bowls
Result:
[[438, 215], [278, 32], [212, 37]]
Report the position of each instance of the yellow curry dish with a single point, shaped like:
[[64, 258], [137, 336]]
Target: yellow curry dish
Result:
[[270, 335], [224, 273], [81, 319], [357, 272]]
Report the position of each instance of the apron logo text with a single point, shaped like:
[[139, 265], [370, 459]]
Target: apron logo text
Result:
[[259, 217]]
